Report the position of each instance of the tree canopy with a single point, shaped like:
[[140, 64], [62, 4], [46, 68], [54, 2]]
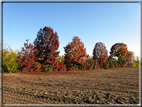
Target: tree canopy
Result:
[[120, 50], [47, 45], [100, 53], [75, 51]]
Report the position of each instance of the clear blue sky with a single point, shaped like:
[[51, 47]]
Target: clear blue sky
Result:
[[108, 23]]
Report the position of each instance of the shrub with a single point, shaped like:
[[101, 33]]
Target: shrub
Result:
[[4, 68], [68, 65], [96, 65], [106, 65], [76, 66], [37, 67], [129, 64], [111, 65], [121, 64], [55, 66], [90, 64], [62, 67], [110, 60], [84, 66], [59, 66], [47, 68], [135, 64], [115, 62], [9, 60]]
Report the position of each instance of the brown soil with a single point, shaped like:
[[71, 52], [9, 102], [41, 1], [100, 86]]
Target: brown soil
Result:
[[117, 86]]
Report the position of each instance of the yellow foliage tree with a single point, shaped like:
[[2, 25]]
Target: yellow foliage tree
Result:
[[9, 60], [61, 59]]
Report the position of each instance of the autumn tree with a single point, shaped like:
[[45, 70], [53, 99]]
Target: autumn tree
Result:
[[9, 60], [120, 51], [100, 53], [47, 45], [27, 59], [75, 52], [129, 58]]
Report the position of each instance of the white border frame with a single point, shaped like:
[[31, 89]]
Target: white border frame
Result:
[[73, 1]]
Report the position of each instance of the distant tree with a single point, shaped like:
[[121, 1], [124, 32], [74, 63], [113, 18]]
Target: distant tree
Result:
[[137, 58], [120, 50], [129, 56], [60, 58], [47, 45], [136, 62], [75, 52], [110, 62], [133, 56], [100, 53]]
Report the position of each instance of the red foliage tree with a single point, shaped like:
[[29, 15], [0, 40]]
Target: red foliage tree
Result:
[[27, 59], [100, 53], [75, 52], [47, 44], [62, 67]]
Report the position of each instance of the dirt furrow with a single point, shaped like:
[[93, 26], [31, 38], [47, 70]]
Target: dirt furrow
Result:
[[83, 88]]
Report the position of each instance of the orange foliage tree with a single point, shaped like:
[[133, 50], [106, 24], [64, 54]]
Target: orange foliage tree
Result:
[[75, 52], [47, 45], [120, 50], [100, 53]]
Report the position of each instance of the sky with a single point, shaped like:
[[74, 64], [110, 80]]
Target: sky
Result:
[[108, 23]]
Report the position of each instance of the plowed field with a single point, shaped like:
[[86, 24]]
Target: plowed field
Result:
[[117, 86]]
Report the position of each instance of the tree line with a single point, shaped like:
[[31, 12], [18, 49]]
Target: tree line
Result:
[[43, 55]]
